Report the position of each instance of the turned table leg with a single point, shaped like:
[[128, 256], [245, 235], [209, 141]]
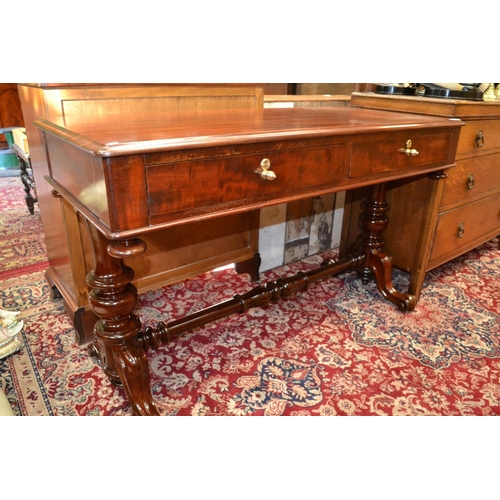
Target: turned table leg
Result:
[[28, 184], [113, 299], [372, 222]]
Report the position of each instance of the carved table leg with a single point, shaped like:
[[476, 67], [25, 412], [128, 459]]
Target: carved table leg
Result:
[[113, 299], [372, 222], [28, 184]]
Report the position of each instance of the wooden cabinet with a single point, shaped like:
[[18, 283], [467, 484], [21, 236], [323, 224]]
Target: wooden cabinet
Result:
[[443, 216], [173, 254], [10, 110]]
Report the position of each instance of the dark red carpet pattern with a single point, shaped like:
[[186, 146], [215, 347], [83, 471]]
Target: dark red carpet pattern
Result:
[[336, 349], [19, 250], [326, 353]]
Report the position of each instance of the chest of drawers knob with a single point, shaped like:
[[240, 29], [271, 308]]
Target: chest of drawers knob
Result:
[[265, 172], [470, 181], [479, 139], [408, 150], [461, 230]]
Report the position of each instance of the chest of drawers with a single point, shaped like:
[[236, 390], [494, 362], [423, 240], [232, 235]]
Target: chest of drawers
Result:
[[442, 217]]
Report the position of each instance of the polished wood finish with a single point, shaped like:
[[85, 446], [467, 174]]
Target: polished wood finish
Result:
[[299, 101], [201, 248], [325, 88], [431, 106], [131, 178], [278, 88], [441, 217]]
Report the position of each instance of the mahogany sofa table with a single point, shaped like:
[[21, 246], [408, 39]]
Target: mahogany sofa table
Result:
[[131, 175]]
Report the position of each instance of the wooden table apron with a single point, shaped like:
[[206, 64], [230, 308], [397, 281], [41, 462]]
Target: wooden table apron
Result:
[[129, 175]]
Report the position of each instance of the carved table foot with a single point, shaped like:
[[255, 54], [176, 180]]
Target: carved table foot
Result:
[[250, 266], [372, 222], [113, 299], [381, 266]]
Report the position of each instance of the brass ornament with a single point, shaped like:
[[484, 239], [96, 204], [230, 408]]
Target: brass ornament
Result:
[[408, 150]]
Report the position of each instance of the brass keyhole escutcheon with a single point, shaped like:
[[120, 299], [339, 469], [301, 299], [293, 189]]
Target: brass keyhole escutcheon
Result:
[[470, 181], [265, 170], [479, 139], [461, 230], [408, 151]]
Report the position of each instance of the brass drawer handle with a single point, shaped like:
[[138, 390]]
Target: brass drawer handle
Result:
[[461, 230], [479, 139], [470, 181], [265, 172], [408, 150]]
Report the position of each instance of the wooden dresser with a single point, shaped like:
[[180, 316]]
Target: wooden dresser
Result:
[[442, 217]]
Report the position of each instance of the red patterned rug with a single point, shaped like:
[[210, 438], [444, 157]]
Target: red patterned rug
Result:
[[22, 245], [336, 349]]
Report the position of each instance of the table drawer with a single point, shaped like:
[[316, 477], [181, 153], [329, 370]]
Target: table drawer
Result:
[[465, 227], [479, 136], [375, 156], [201, 186], [471, 178]]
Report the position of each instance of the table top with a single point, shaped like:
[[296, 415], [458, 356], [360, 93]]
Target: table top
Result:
[[122, 134]]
